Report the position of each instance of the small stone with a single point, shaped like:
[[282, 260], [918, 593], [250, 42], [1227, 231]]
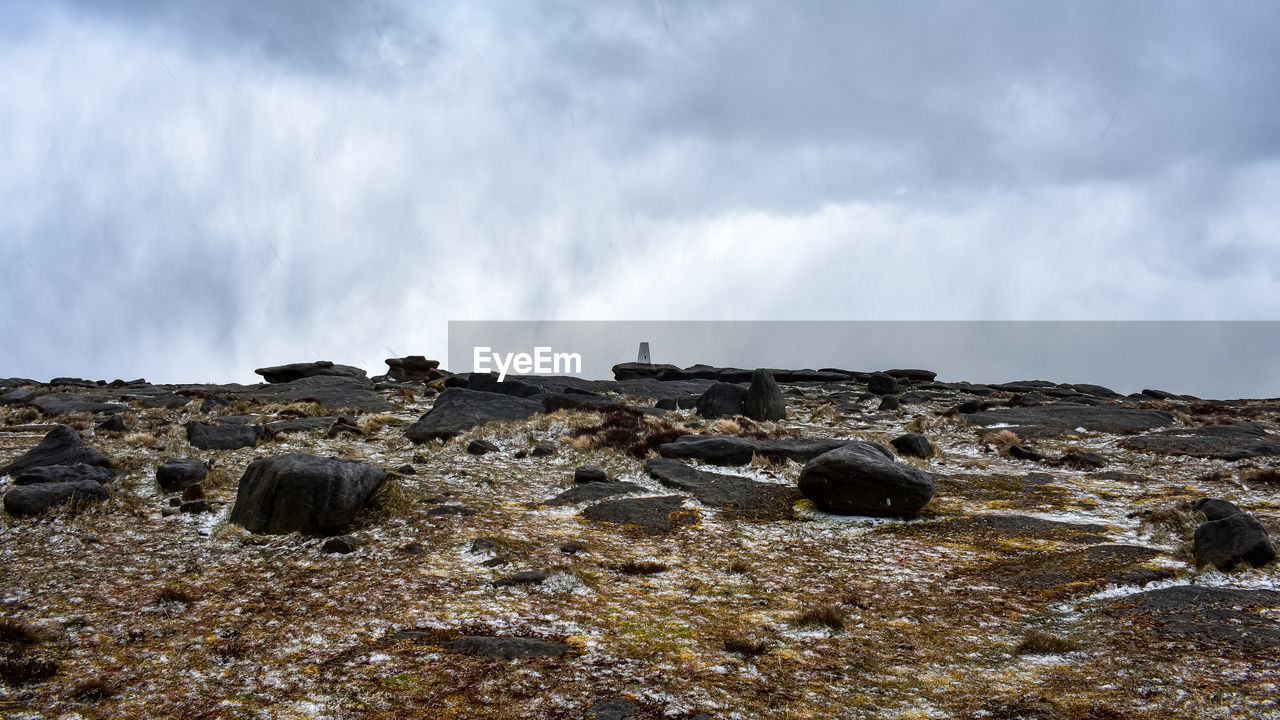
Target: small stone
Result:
[[481, 447], [913, 445], [1023, 453], [406, 469], [890, 402], [483, 545], [542, 450], [524, 577], [115, 423], [570, 548], [192, 492], [590, 474], [195, 507], [342, 544]]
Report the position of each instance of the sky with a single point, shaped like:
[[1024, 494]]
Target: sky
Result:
[[189, 191]]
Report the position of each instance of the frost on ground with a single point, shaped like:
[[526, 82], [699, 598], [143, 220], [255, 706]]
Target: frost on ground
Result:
[[132, 612]]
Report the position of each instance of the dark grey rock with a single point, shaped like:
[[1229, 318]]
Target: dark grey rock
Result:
[[592, 492], [210, 404], [542, 450], [1024, 453], [618, 708], [481, 447], [889, 402], [483, 545], [458, 409], [441, 510], [524, 577], [305, 424], [176, 475], [653, 515], [306, 493], [65, 473], [1221, 442], [722, 399], [297, 371], [195, 507], [414, 367], [333, 392], [590, 474], [60, 446], [1233, 540], [1059, 418], [61, 403], [883, 384], [18, 396], [1216, 508], [861, 478], [739, 496], [35, 499], [913, 445], [734, 450], [764, 400], [1206, 616], [508, 648], [912, 375], [342, 544], [223, 436], [633, 370], [115, 423]]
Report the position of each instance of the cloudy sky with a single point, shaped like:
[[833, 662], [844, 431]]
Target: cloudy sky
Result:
[[192, 190]]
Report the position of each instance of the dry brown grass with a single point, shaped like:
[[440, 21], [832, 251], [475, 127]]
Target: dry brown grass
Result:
[[1038, 642], [141, 439], [374, 422], [295, 409], [820, 614], [14, 632], [741, 643], [826, 414], [1262, 476]]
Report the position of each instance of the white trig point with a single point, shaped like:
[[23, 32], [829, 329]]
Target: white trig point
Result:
[[644, 354]]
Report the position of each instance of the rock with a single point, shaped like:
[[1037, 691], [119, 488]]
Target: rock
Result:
[[633, 371], [1024, 453], [223, 436], [481, 447], [18, 396], [889, 402], [653, 515], [764, 400], [524, 577], [195, 507], [570, 548], [1221, 442], [1234, 539], [306, 424], [508, 648], [1093, 390], [297, 371], [618, 708], [734, 450], [35, 499], [483, 545], [406, 469], [543, 450], [60, 446], [722, 399], [210, 404], [115, 423], [306, 493], [1082, 461], [913, 445], [1216, 508], [882, 384], [74, 382], [413, 367], [739, 496], [1159, 394], [1241, 619], [65, 473], [62, 403], [590, 474], [176, 475], [441, 510], [334, 392], [913, 375], [458, 409], [1059, 418], [592, 492], [341, 544], [861, 478]]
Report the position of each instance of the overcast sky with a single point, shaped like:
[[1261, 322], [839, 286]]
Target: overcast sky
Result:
[[192, 190]]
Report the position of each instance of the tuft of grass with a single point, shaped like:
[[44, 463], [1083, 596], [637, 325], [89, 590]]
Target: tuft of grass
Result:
[[820, 614], [392, 497], [918, 424], [641, 567], [141, 439], [172, 594], [739, 567], [826, 414], [13, 632], [373, 422], [725, 426], [91, 691], [744, 645], [26, 670], [296, 409], [1002, 439], [622, 428], [1263, 476], [1038, 642]]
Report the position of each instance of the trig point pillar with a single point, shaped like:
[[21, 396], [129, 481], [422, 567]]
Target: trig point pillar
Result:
[[644, 353]]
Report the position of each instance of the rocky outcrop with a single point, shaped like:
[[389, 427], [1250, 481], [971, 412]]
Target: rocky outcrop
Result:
[[305, 493], [35, 499], [458, 409], [862, 478], [297, 371], [60, 446]]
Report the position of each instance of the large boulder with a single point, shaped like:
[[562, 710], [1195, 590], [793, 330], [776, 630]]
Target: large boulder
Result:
[[458, 409], [1232, 540], [1221, 442], [297, 371], [1059, 418], [739, 496], [883, 384], [35, 499], [722, 399], [60, 446], [862, 478], [764, 400], [413, 367], [305, 493], [913, 445], [223, 436], [636, 370], [62, 403]]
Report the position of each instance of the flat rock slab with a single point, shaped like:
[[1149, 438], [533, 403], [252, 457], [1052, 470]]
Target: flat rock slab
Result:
[[35, 499], [66, 473], [1220, 442], [1060, 418], [1027, 526], [223, 436], [1205, 615], [306, 424], [734, 450], [60, 446], [297, 371], [739, 496], [653, 515], [1059, 575], [593, 491], [333, 392], [459, 409], [60, 403]]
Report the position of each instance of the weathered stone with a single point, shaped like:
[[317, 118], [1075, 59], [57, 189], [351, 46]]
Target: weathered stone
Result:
[[862, 478], [60, 446], [176, 475], [35, 499], [764, 400], [297, 371], [223, 436], [653, 515], [305, 493], [459, 409]]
